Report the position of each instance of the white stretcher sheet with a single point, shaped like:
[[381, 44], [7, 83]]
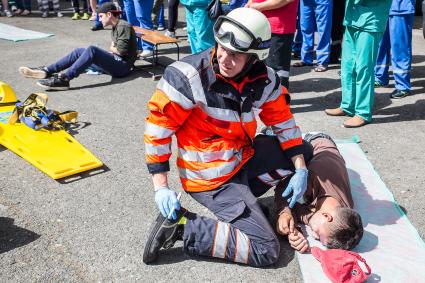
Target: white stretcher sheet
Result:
[[390, 244]]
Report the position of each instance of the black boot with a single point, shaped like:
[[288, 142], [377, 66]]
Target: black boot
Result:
[[163, 234]]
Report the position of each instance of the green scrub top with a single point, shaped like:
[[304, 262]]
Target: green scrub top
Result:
[[367, 15]]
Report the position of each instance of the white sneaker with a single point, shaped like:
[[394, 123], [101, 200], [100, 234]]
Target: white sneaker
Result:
[[8, 13], [45, 14], [146, 53], [14, 8], [170, 34], [59, 15]]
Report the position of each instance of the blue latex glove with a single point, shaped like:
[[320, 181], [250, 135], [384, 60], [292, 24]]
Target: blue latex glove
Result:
[[166, 200], [297, 185]]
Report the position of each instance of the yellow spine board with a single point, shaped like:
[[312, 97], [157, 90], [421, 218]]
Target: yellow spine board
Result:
[[56, 153]]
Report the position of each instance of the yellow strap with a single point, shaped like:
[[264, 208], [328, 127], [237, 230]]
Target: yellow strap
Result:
[[69, 116], [35, 100], [14, 117]]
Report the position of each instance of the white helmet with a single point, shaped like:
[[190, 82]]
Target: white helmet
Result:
[[244, 30]]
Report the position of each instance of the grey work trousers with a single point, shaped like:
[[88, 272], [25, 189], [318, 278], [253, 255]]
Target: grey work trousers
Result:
[[242, 233]]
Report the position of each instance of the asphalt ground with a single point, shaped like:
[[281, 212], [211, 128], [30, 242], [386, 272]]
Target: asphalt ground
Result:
[[94, 228]]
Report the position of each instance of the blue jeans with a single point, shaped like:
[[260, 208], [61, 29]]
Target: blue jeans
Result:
[[316, 13], [396, 46], [139, 14], [81, 58]]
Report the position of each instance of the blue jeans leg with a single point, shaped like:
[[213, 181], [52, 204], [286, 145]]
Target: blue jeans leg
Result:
[[143, 9], [307, 24], [80, 59], [383, 59], [161, 19], [66, 62], [130, 12]]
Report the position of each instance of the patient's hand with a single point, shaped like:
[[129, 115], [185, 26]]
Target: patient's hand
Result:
[[298, 241], [285, 224]]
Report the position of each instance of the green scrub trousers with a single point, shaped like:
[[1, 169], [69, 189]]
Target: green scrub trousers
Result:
[[359, 53], [199, 29]]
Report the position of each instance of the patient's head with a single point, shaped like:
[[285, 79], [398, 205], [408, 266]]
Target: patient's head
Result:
[[340, 228], [346, 230]]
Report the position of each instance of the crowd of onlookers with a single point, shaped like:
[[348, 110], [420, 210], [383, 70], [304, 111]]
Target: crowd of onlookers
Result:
[[368, 30]]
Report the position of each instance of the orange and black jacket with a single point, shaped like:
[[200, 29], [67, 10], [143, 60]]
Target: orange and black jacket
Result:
[[213, 119]]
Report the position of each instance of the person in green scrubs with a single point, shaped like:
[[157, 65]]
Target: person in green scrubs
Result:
[[365, 22]]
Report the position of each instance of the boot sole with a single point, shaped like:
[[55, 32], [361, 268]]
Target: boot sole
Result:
[[27, 72], [53, 87], [153, 231]]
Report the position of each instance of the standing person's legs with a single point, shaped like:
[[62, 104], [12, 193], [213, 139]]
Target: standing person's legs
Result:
[[5, 5], [98, 24], [156, 11], [143, 9], [298, 40], [280, 56], [161, 18], [45, 6], [203, 30], [27, 5], [93, 5], [75, 5], [173, 7], [130, 12], [366, 51], [383, 59], [348, 74], [190, 24], [241, 234], [338, 12], [323, 15], [401, 46], [56, 5], [85, 6], [307, 24]]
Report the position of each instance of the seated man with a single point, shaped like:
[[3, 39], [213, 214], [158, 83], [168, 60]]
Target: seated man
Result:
[[118, 62], [207, 101], [327, 205]]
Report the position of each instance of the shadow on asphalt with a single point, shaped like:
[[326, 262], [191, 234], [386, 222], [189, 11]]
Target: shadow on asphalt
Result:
[[75, 128], [84, 175], [12, 236], [133, 75], [314, 85]]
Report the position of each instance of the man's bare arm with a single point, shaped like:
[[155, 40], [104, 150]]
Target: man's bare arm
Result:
[[268, 5]]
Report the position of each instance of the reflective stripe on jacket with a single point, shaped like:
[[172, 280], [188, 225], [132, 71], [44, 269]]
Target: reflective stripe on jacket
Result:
[[213, 120]]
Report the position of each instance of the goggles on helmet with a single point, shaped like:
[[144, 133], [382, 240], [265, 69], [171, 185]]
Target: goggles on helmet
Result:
[[255, 43]]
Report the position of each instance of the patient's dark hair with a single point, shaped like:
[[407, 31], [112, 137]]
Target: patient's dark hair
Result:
[[346, 230]]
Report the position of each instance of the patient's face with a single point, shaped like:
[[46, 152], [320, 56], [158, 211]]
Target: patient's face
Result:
[[320, 229]]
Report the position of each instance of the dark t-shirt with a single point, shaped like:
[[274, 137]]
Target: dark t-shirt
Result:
[[125, 41], [328, 177]]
